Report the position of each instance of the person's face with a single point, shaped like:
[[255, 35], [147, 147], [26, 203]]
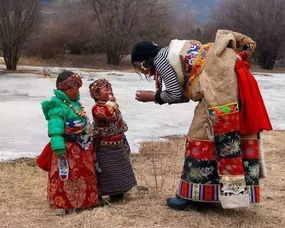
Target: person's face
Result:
[[72, 93], [104, 93], [140, 67]]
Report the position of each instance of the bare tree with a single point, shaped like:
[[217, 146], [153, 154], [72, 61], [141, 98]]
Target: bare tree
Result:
[[73, 18], [123, 22], [16, 20], [117, 21], [263, 20], [183, 23], [61, 27], [156, 21]]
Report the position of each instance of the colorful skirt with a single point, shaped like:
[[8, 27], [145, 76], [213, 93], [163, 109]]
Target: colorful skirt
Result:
[[115, 173], [200, 180], [80, 188]]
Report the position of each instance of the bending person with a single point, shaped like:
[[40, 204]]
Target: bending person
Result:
[[223, 163]]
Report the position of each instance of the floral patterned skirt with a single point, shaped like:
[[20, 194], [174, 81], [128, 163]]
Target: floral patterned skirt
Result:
[[80, 189], [200, 180]]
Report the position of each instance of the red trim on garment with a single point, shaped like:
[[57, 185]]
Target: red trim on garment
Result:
[[115, 138], [184, 188], [198, 192]]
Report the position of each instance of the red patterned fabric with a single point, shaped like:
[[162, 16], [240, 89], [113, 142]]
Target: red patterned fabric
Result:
[[253, 114], [105, 112], [108, 122], [200, 149], [226, 123], [79, 190], [235, 165], [44, 160], [230, 166], [250, 148]]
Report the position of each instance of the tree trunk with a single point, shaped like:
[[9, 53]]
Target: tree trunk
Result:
[[11, 57], [113, 57], [17, 17], [266, 60]]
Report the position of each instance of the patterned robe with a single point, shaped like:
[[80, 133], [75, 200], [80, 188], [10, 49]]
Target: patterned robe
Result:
[[69, 134], [115, 173], [221, 165]]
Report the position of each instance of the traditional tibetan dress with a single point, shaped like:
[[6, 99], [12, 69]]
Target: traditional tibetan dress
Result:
[[223, 158], [68, 129], [115, 173]]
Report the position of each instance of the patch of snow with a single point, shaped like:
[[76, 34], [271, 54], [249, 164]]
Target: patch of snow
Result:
[[24, 129]]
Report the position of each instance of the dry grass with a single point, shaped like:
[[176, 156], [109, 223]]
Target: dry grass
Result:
[[158, 167]]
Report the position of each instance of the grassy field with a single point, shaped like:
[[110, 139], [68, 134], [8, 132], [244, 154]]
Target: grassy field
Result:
[[158, 167]]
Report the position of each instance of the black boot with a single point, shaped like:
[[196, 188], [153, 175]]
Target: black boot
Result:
[[178, 203], [116, 197]]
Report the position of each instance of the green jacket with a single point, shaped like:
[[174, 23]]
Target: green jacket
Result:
[[56, 113]]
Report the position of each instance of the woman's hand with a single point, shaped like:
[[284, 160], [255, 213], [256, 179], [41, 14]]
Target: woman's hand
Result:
[[145, 96]]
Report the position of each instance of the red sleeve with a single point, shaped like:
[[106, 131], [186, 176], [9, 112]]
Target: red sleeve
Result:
[[104, 112]]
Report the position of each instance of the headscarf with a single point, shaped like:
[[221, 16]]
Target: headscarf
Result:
[[98, 84], [73, 81]]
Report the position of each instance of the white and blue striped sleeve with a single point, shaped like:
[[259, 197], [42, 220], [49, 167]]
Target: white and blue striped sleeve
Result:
[[172, 92]]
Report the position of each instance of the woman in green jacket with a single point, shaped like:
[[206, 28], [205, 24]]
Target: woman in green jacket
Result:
[[71, 176]]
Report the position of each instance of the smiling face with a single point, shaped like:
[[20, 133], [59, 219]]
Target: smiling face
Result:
[[103, 94]]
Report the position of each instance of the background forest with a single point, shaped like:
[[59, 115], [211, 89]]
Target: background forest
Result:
[[56, 29]]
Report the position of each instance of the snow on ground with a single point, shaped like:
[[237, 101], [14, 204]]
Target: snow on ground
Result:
[[24, 129]]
